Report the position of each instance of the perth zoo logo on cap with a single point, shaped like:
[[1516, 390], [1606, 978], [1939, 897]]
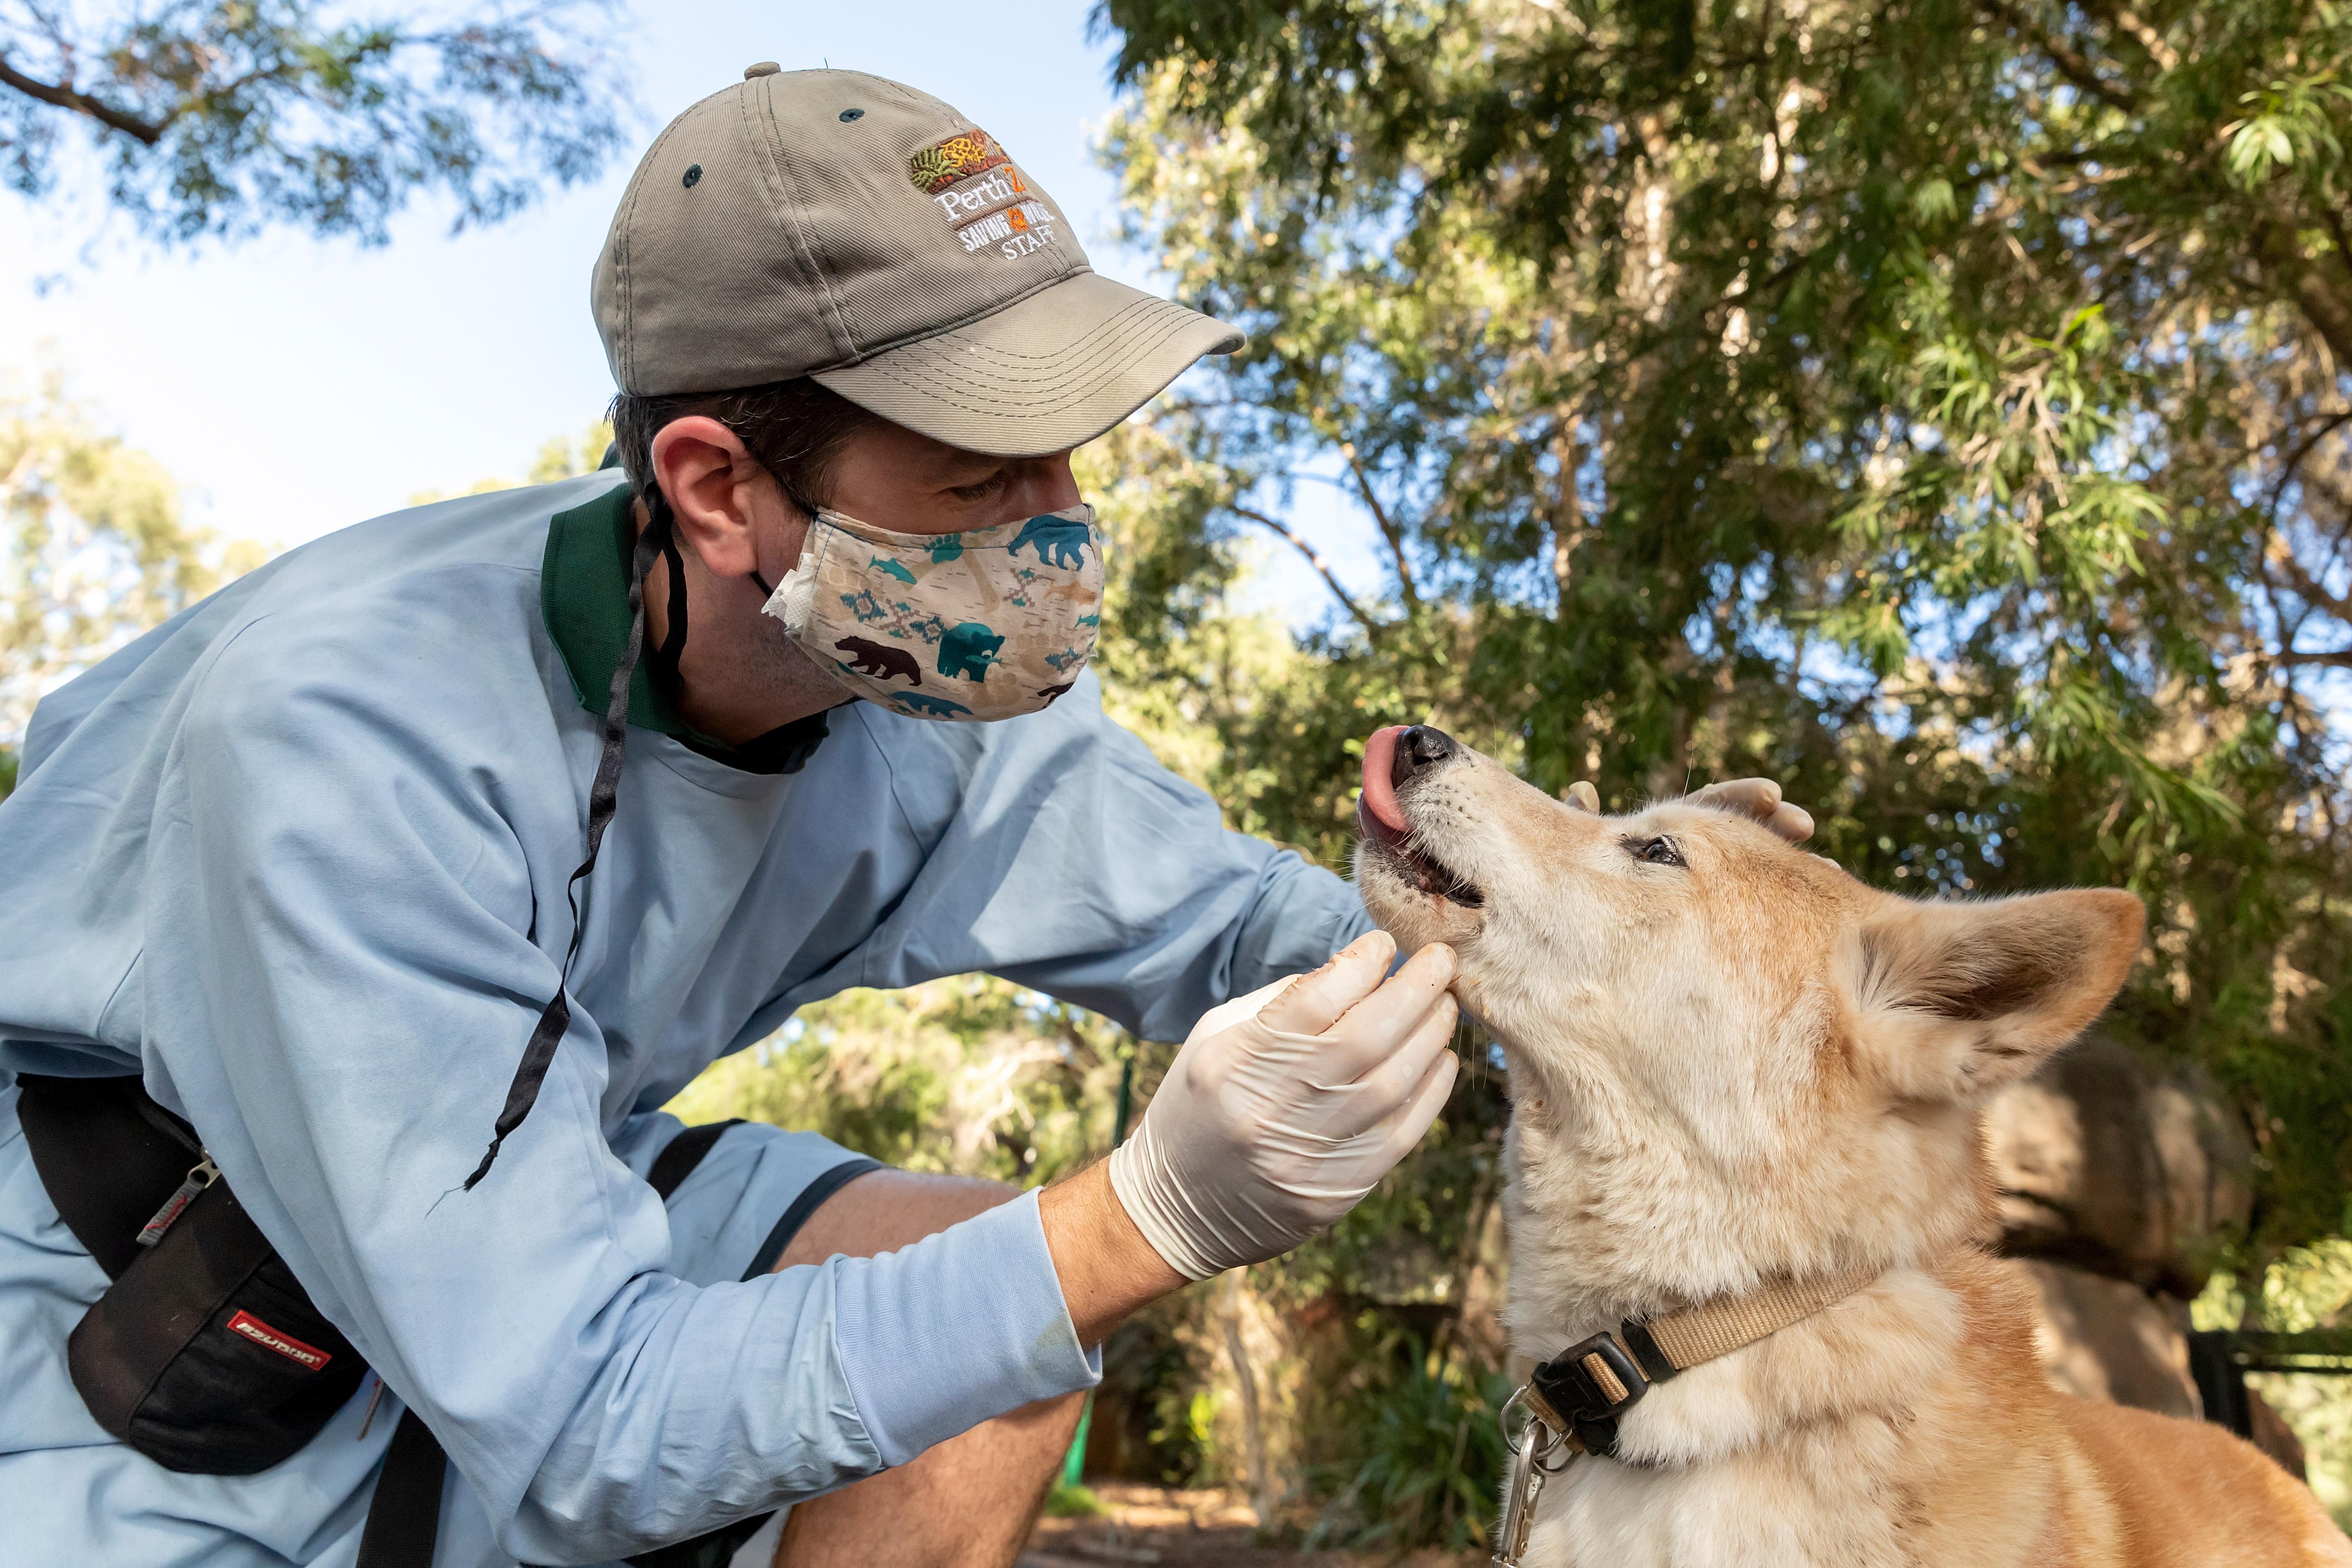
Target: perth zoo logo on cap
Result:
[[982, 195]]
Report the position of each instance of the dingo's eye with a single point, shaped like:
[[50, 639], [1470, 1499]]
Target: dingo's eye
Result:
[[1658, 851]]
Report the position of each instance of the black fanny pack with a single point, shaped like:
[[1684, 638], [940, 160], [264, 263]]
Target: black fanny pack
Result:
[[206, 1353]]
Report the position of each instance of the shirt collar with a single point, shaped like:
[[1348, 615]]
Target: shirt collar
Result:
[[583, 595]]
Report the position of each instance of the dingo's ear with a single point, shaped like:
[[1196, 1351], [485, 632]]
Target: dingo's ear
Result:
[[1956, 999]]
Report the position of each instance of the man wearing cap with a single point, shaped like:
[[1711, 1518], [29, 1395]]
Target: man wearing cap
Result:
[[408, 877]]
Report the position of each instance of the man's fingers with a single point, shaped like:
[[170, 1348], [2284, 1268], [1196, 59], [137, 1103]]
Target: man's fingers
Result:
[[1375, 1026], [1226, 1014], [1393, 1082], [1759, 799], [1423, 1108], [1312, 1002]]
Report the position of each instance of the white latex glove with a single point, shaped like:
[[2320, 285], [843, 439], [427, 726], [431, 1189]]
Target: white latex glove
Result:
[[1287, 1105]]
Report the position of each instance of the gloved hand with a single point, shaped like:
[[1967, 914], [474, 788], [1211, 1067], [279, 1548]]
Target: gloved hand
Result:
[[1287, 1105]]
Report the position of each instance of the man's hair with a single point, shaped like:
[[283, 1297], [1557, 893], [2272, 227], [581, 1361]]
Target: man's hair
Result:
[[794, 429]]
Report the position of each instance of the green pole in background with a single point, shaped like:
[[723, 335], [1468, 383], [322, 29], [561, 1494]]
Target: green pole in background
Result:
[[1074, 1465]]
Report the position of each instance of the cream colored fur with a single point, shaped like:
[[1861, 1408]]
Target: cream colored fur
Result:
[[1752, 1066]]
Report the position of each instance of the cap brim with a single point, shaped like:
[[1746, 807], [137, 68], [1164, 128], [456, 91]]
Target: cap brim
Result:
[[1047, 372]]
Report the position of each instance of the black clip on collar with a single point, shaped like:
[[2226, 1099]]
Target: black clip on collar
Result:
[[1582, 1403]]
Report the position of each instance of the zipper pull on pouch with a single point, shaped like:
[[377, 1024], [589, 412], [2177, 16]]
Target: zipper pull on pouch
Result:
[[203, 1175]]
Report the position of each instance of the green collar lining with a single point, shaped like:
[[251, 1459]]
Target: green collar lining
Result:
[[583, 595]]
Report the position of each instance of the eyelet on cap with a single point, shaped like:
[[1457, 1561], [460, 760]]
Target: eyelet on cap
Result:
[[849, 114], [693, 175], [762, 68]]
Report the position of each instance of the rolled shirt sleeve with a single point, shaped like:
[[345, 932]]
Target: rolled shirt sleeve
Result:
[[360, 953]]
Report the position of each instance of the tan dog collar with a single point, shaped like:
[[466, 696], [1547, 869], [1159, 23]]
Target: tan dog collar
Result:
[[1572, 1401], [1582, 1392]]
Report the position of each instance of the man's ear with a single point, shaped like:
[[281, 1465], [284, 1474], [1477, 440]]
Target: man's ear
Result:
[[717, 493], [1955, 999]]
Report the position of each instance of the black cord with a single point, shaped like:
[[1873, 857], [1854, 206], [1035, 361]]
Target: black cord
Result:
[[603, 798]]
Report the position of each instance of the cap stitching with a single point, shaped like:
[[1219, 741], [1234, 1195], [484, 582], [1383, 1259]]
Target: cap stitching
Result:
[[1010, 359], [625, 263], [1075, 372], [842, 336], [939, 392], [1059, 370], [1108, 324], [943, 327]]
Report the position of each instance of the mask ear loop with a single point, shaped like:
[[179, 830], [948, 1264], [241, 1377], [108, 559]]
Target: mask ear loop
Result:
[[603, 798], [673, 643], [807, 509]]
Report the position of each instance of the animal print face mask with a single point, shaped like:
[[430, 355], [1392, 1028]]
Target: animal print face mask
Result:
[[985, 624]]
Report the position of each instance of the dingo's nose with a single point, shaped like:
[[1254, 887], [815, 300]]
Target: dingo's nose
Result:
[[1420, 748]]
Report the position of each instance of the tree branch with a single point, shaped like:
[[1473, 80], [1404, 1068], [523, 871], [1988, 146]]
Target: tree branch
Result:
[[2165, 57], [2275, 250], [2306, 588], [1380, 518], [1314, 559], [137, 130], [2339, 659], [2333, 423], [1568, 525], [2074, 65]]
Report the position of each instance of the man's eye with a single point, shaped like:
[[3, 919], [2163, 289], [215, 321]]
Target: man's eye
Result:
[[983, 489], [1658, 851]]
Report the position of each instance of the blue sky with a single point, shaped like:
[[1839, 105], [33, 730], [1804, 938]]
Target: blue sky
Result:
[[298, 385]]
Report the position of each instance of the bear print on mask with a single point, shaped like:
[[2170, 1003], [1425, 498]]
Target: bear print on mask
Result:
[[880, 660], [1064, 536]]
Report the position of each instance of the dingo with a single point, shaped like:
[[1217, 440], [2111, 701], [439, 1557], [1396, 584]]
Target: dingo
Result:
[[1735, 1069]]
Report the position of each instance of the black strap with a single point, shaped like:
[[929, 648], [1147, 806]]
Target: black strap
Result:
[[682, 1154], [717, 1548], [673, 643], [406, 1513], [780, 1235], [603, 798]]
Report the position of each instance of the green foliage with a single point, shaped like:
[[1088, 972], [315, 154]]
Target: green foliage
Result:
[[2306, 1288], [1932, 406], [973, 1076], [1432, 1464], [558, 457], [217, 119], [94, 551]]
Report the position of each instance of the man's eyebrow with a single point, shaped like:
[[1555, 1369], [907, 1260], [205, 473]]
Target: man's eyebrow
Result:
[[958, 466]]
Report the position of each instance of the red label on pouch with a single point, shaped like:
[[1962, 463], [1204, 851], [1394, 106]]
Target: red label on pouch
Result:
[[292, 1348]]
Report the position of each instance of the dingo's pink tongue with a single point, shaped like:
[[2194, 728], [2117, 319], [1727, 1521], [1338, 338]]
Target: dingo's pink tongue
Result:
[[1378, 815]]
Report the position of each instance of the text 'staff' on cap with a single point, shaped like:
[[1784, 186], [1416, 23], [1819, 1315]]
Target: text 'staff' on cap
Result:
[[832, 223]]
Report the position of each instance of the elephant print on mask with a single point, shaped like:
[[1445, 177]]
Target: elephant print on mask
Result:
[[967, 650]]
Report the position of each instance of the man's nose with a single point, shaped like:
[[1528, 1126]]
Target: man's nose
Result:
[[1419, 749]]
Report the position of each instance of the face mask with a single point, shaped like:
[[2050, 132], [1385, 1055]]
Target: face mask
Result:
[[985, 624]]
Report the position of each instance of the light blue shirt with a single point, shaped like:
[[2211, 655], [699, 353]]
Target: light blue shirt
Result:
[[298, 858]]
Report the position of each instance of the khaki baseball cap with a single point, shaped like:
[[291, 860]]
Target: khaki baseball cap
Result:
[[834, 225]]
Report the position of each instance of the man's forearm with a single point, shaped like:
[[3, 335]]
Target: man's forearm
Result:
[[1107, 1269]]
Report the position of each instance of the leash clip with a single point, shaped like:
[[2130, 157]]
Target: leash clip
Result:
[[1533, 1448]]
